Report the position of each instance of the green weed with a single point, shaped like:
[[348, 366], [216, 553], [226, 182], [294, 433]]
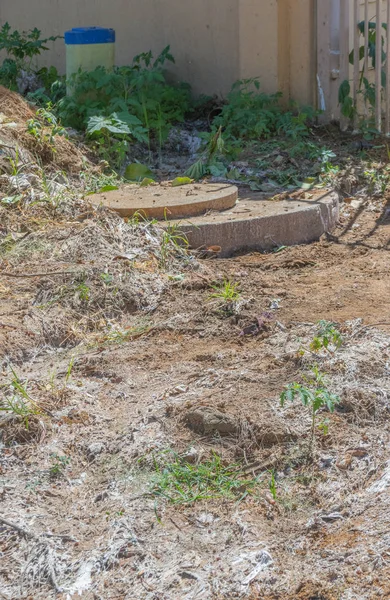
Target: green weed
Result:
[[182, 483], [327, 335], [100, 182], [173, 242], [45, 128], [69, 369], [314, 395], [136, 91], [250, 114], [227, 291], [19, 403], [83, 291], [59, 466], [272, 486], [20, 49]]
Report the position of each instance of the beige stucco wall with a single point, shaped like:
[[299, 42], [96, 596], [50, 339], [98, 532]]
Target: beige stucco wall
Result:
[[215, 42]]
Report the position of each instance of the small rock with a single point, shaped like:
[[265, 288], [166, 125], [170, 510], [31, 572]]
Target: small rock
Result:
[[275, 304], [95, 449], [179, 389], [205, 518], [332, 517], [102, 496], [314, 524], [326, 462], [206, 420], [192, 456], [344, 463], [356, 203], [188, 575]]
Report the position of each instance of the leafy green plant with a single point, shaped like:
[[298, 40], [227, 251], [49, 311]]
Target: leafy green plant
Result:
[[110, 135], [314, 395], [210, 161], [327, 335], [83, 291], [20, 48], [46, 127], [366, 89], [225, 297], [180, 482], [252, 115], [139, 90]]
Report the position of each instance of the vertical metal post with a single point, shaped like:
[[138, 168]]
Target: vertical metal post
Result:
[[323, 60], [388, 70], [366, 32], [356, 61], [344, 49], [378, 67]]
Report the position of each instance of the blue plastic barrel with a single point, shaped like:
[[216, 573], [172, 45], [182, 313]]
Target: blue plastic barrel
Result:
[[88, 48]]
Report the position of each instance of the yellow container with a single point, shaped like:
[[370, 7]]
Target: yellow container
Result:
[[88, 48]]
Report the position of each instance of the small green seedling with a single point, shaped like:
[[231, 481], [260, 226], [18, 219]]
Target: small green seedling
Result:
[[107, 278], [46, 128], [69, 369], [226, 291], [83, 291], [314, 395], [59, 465], [272, 486], [327, 335], [324, 426]]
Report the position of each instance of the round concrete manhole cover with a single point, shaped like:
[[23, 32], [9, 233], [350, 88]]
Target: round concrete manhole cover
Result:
[[167, 202]]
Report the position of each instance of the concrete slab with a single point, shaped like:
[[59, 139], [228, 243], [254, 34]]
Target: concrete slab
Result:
[[256, 223], [164, 201]]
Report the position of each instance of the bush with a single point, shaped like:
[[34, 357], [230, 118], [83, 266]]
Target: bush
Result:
[[20, 49], [140, 90], [251, 115]]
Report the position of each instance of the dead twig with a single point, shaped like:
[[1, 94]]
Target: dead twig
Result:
[[34, 536], [21, 530], [365, 327], [8, 274], [7, 325]]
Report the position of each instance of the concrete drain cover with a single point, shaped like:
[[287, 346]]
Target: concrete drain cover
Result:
[[167, 202], [260, 223]]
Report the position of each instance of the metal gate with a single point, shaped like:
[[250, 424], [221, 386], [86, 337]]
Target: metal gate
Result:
[[353, 62]]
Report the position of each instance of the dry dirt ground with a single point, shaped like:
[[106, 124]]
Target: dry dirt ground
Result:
[[130, 371], [148, 364]]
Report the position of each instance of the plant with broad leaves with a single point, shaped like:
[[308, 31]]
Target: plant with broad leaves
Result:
[[314, 395], [139, 90], [327, 335], [20, 49], [110, 135], [45, 127]]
